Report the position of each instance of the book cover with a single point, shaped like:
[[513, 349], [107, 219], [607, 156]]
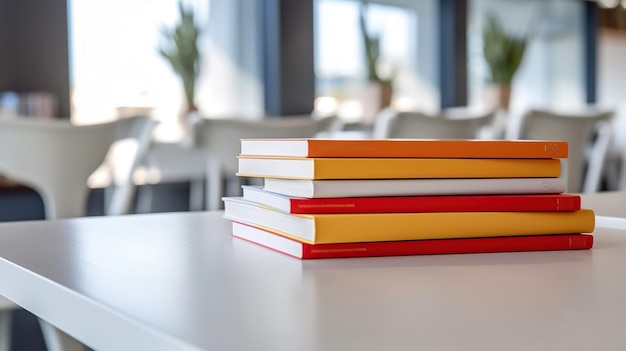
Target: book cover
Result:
[[417, 148], [300, 250], [412, 187], [396, 168], [368, 227], [399, 204]]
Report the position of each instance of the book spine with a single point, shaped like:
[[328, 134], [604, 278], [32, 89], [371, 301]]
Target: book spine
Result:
[[450, 246], [346, 228], [436, 204], [424, 187], [404, 168], [438, 148]]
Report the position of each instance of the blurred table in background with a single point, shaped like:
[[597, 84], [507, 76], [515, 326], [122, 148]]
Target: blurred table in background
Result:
[[171, 163], [609, 207], [607, 203]]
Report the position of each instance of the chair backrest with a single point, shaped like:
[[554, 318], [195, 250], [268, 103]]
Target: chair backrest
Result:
[[133, 138], [587, 138], [56, 157], [417, 125], [220, 138]]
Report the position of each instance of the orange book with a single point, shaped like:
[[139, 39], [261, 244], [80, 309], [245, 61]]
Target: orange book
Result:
[[396, 168], [404, 148]]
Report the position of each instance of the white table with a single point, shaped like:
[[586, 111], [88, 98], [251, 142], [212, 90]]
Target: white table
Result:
[[608, 203], [609, 207], [180, 282]]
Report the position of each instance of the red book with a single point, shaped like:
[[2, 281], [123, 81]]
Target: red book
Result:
[[400, 204], [415, 247]]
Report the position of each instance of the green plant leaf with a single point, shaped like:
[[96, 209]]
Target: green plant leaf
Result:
[[371, 45], [502, 51], [180, 48]]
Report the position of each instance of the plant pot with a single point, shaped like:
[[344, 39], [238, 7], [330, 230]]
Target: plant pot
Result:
[[376, 96], [190, 119], [498, 97]]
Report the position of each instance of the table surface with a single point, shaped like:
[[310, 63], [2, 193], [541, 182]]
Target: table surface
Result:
[[608, 203], [179, 281]]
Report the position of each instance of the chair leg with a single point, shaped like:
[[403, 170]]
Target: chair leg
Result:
[[214, 194], [196, 195], [144, 198], [597, 159], [214, 190], [120, 200], [56, 340], [5, 330], [621, 182]]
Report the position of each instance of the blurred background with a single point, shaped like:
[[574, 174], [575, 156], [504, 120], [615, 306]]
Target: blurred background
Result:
[[168, 67], [99, 60], [179, 63]]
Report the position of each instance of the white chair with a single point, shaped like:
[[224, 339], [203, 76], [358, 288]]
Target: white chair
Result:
[[588, 133], [186, 162], [171, 163], [56, 158], [417, 125], [220, 139], [133, 140], [615, 175]]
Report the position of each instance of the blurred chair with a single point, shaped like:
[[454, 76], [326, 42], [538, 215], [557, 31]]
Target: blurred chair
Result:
[[588, 134], [332, 126], [56, 158], [133, 140], [219, 138], [171, 163], [615, 176], [6, 307], [418, 125]]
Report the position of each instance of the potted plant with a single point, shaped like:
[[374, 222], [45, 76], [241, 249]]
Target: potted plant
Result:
[[180, 48], [503, 53], [379, 91]]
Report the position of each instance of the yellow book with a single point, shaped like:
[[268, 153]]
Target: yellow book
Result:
[[396, 168], [369, 227]]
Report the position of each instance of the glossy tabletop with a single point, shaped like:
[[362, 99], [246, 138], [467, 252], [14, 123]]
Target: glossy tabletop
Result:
[[608, 203], [179, 281], [609, 207]]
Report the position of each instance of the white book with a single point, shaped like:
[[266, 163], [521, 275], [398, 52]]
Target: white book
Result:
[[412, 187], [276, 201]]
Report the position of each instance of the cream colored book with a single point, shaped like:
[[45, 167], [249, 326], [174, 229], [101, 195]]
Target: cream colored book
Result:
[[412, 187]]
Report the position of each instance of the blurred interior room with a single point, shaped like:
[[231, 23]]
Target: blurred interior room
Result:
[[152, 85]]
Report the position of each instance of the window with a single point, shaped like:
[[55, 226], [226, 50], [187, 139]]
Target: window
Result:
[[116, 69], [551, 73], [407, 32]]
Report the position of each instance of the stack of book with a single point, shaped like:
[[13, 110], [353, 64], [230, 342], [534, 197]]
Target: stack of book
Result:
[[326, 198]]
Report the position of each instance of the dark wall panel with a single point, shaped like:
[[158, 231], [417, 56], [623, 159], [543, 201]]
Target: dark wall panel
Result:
[[590, 50], [453, 52], [34, 49], [288, 57]]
